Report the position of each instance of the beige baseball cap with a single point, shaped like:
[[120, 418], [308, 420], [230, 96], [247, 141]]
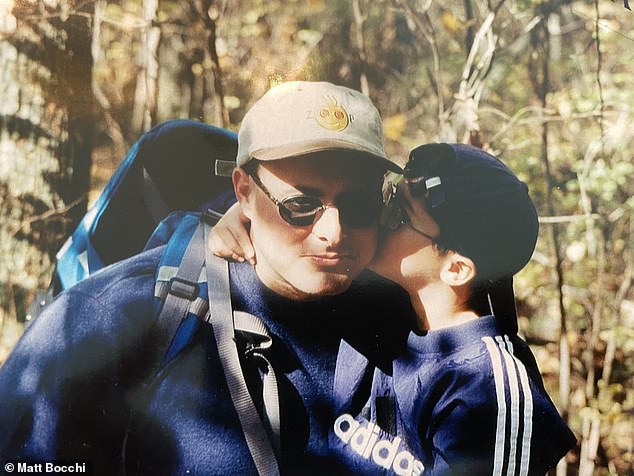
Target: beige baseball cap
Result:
[[302, 117]]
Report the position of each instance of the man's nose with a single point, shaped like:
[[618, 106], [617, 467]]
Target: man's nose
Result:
[[328, 226]]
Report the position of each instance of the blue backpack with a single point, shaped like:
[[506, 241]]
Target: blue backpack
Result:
[[171, 167]]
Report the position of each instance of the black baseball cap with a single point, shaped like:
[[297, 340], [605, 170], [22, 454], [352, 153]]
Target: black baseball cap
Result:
[[482, 209]]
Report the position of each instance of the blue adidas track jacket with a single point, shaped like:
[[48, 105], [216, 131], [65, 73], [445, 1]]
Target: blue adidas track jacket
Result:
[[466, 400]]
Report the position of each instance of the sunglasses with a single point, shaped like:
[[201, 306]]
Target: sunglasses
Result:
[[355, 210], [425, 168], [395, 214]]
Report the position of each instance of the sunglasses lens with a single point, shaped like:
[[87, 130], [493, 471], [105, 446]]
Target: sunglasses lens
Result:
[[300, 210], [360, 211], [356, 211]]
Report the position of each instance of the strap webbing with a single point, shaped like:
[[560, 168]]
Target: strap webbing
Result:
[[222, 322], [176, 306], [255, 333], [152, 198]]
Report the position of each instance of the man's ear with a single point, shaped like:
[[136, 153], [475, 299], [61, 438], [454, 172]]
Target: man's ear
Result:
[[243, 189], [457, 269]]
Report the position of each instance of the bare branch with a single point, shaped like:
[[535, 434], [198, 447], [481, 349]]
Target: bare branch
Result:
[[52, 213], [567, 218], [598, 75]]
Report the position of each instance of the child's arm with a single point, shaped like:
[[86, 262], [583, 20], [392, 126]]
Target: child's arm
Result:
[[463, 443], [477, 409], [230, 236], [495, 420]]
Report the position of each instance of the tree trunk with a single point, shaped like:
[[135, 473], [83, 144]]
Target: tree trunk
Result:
[[145, 97], [540, 77], [207, 13], [359, 40]]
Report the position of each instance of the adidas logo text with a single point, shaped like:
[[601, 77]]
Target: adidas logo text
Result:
[[364, 440]]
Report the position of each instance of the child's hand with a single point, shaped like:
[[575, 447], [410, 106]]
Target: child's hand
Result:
[[230, 237]]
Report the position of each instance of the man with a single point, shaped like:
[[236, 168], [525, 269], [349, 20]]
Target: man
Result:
[[311, 164]]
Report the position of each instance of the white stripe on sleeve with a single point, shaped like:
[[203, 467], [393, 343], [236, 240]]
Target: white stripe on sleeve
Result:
[[515, 404], [528, 413], [498, 376]]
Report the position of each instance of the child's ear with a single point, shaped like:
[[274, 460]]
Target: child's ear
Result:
[[457, 269], [243, 189]]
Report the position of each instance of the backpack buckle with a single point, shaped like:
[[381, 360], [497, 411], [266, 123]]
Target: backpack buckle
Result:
[[210, 216], [182, 288]]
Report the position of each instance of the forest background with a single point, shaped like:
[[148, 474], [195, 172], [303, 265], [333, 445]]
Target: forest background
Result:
[[546, 85]]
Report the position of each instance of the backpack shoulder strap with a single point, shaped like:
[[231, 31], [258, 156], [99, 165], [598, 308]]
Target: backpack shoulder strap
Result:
[[221, 312], [181, 298], [180, 284]]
